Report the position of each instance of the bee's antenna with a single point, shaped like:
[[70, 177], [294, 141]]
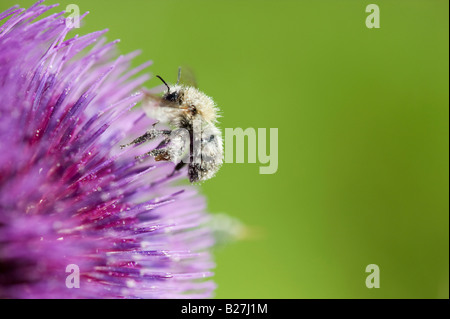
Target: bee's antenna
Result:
[[179, 75], [168, 87]]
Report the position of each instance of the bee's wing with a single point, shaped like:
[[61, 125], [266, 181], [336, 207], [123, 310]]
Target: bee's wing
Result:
[[157, 108], [188, 77]]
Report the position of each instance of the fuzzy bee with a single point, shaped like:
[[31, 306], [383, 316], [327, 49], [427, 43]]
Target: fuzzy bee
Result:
[[195, 140]]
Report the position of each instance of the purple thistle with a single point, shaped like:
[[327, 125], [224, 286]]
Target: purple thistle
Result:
[[68, 193]]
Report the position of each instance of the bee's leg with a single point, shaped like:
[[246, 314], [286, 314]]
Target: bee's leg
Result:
[[179, 166], [160, 154], [149, 135]]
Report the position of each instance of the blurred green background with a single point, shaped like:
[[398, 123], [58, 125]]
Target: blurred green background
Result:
[[362, 118]]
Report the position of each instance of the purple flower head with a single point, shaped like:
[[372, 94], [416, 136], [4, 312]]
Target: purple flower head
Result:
[[70, 198]]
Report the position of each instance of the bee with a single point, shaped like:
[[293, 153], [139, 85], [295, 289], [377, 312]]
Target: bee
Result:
[[195, 140]]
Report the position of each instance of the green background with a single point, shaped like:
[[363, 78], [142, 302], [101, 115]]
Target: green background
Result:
[[362, 116]]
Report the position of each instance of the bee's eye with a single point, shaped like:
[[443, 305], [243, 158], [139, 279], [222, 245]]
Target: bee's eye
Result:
[[172, 97]]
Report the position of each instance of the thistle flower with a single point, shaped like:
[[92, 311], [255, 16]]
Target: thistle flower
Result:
[[68, 194]]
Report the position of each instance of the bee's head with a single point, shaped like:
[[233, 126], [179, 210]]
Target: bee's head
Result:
[[190, 100], [173, 94]]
